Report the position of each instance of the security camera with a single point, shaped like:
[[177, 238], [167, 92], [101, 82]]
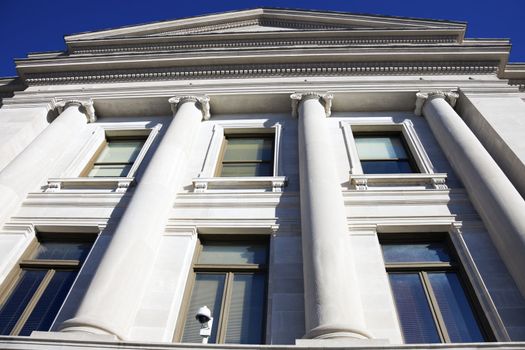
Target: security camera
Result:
[[203, 315]]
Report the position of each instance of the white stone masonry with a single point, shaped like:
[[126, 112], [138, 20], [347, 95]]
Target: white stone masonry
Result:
[[26, 171], [333, 307], [497, 201], [113, 297]]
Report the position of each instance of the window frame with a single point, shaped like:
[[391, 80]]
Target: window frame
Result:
[[207, 181], [220, 129], [399, 134], [229, 270], [94, 145], [221, 161], [405, 127], [27, 262], [422, 268], [119, 135]]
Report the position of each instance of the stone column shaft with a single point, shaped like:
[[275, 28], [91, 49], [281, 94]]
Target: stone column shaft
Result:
[[497, 201], [113, 297], [333, 306], [27, 170]]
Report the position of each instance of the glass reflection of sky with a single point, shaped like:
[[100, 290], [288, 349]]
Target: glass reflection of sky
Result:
[[423, 252]]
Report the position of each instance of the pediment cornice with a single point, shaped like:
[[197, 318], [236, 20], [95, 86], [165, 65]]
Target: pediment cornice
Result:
[[233, 41], [267, 19]]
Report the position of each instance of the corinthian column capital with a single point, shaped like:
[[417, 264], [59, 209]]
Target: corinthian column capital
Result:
[[202, 102], [325, 98], [421, 97], [86, 107]]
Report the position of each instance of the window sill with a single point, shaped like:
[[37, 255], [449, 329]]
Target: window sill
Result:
[[263, 183], [113, 184], [395, 181]]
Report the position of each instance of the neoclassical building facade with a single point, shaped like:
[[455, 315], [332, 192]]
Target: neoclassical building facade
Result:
[[315, 179]]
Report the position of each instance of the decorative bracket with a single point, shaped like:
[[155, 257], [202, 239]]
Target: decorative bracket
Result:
[[202, 102], [421, 97], [325, 99], [85, 106]]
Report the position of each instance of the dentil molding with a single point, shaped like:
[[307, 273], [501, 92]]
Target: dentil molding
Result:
[[263, 70], [230, 43]]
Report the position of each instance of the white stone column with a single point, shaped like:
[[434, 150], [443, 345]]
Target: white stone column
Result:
[[28, 169], [333, 306], [497, 201], [113, 297]]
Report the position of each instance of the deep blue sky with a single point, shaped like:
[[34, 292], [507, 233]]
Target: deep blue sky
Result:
[[39, 25]]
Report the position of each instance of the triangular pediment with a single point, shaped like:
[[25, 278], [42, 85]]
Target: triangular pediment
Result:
[[266, 20]]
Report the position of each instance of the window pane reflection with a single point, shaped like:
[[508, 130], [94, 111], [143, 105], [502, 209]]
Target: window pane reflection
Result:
[[207, 291], [413, 309], [245, 321], [461, 324]]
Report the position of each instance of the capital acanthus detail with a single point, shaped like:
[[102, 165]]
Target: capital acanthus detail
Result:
[[202, 102], [421, 97], [86, 107], [325, 98]]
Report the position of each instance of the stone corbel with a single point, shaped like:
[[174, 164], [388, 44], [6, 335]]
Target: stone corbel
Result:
[[439, 183], [202, 102], [325, 98], [360, 184], [421, 97], [200, 186], [278, 185], [85, 106]]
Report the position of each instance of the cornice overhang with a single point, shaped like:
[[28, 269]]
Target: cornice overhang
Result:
[[515, 73], [420, 55], [259, 96]]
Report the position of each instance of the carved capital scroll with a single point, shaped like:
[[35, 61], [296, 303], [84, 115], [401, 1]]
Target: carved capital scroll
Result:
[[202, 102], [85, 106], [324, 98], [421, 97]]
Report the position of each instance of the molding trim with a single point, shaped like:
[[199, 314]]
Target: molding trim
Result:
[[86, 107], [520, 83], [202, 102], [325, 99], [246, 44], [361, 182], [265, 70], [422, 97], [263, 22]]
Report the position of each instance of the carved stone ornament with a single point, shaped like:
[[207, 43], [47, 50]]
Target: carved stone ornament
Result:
[[202, 102], [421, 97], [324, 98], [86, 107], [264, 70]]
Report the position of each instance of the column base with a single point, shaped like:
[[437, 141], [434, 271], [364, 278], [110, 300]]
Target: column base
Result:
[[74, 336], [339, 342], [89, 327], [336, 332]]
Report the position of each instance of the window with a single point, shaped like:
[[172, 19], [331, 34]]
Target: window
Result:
[[229, 278], [37, 289], [247, 155], [431, 298], [115, 157], [384, 154]]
